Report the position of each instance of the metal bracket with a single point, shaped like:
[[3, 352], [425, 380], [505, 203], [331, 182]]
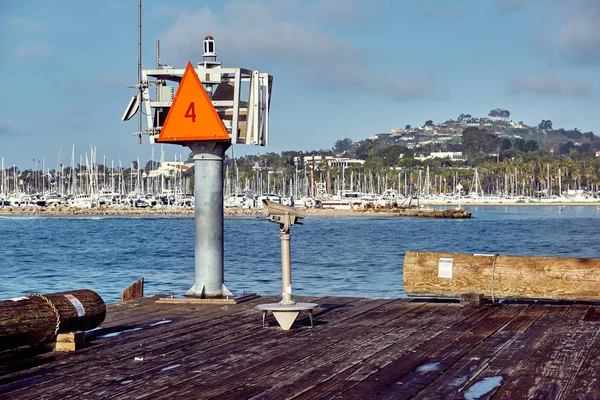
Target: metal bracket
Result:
[[286, 314]]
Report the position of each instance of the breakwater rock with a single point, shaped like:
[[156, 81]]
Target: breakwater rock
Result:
[[228, 212]]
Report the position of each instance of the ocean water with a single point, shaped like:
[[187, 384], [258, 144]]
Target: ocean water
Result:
[[343, 256]]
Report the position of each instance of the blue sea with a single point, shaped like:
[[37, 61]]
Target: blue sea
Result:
[[341, 256]]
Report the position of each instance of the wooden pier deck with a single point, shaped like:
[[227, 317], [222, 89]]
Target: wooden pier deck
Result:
[[359, 348]]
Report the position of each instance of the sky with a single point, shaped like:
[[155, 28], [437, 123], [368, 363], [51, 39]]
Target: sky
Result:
[[341, 68]]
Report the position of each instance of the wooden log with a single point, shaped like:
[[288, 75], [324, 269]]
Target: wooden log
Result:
[[135, 291], [33, 319], [429, 274]]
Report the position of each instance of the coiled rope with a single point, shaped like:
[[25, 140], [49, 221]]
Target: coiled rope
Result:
[[54, 311]]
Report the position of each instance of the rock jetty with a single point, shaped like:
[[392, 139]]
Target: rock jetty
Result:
[[228, 212]]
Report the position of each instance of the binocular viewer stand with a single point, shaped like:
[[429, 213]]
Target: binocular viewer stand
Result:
[[287, 310]]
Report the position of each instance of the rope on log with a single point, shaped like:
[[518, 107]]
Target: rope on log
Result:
[[37, 318], [54, 311]]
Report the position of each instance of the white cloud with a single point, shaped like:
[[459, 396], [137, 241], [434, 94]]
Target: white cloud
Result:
[[338, 10], [21, 25], [32, 50], [442, 12], [548, 85], [513, 5], [578, 35], [568, 28], [8, 128], [291, 36]]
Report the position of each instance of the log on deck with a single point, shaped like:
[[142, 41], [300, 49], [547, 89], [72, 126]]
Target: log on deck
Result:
[[358, 348]]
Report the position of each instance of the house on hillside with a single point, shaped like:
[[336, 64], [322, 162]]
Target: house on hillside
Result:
[[169, 168], [452, 155]]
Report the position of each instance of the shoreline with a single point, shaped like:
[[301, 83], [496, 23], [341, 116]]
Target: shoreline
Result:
[[259, 212]]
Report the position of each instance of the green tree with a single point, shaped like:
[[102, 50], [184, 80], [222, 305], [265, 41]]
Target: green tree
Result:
[[531, 145], [478, 142], [343, 145], [520, 144], [565, 148], [389, 155], [364, 149], [545, 124], [499, 113]]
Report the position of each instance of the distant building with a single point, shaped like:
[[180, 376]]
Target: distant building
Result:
[[169, 168], [516, 125], [331, 161], [452, 155]]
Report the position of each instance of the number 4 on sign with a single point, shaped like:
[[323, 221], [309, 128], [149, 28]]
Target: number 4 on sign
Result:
[[192, 116], [191, 112]]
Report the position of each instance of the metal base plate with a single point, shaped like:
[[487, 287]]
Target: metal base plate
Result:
[[211, 300], [286, 314]]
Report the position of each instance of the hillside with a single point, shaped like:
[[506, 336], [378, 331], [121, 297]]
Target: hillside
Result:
[[447, 137]]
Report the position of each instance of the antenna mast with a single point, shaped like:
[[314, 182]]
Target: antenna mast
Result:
[[141, 89], [157, 54]]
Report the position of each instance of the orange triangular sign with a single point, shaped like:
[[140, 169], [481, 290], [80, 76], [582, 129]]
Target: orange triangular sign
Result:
[[192, 116]]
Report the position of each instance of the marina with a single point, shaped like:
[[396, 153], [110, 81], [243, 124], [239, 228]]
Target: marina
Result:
[[368, 340], [455, 259], [358, 348], [105, 253]]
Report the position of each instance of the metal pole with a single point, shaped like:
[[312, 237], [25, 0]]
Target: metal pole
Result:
[[141, 89], [286, 269], [208, 214]]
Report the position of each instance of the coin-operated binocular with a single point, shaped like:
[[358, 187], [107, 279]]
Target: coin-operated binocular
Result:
[[283, 215], [287, 310]]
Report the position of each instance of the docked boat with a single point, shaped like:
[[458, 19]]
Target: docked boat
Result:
[[238, 200], [82, 201], [343, 201]]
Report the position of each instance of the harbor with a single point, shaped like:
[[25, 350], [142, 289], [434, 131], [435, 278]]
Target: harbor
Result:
[[451, 259], [369, 343], [358, 348], [160, 249]]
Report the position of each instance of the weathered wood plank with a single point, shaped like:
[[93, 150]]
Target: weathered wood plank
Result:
[[584, 382], [178, 347], [310, 371], [503, 365], [169, 339], [274, 349], [474, 361], [450, 319], [134, 291], [359, 348], [407, 376], [523, 382], [158, 336]]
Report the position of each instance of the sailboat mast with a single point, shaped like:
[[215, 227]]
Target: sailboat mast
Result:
[[2, 183]]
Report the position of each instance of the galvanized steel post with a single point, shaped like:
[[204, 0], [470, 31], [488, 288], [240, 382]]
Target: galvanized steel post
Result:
[[286, 268], [208, 215]]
